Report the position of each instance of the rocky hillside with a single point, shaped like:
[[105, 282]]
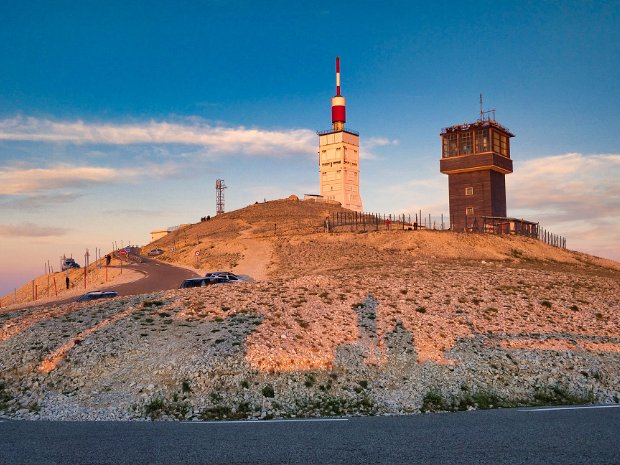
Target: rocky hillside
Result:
[[348, 322]]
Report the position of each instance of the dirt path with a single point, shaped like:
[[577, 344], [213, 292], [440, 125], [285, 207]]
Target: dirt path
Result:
[[256, 259]]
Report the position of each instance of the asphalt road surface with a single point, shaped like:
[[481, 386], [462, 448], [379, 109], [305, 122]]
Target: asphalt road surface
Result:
[[511, 436], [159, 276]]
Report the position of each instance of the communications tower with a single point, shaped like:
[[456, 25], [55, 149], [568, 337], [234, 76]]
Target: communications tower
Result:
[[476, 158], [219, 196], [339, 156]]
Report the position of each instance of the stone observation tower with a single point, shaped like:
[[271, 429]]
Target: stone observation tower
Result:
[[339, 156], [476, 158]]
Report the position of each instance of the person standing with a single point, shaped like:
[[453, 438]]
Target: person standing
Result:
[[67, 281]]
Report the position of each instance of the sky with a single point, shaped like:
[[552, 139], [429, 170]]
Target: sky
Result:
[[116, 118]]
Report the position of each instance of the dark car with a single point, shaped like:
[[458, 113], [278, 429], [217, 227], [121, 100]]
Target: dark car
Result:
[[202, 282], [95, 295], [69, 263], [155, 252], [228, 276]]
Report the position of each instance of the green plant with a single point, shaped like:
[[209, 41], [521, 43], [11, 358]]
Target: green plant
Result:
[[433, 401], [560, 395], [158, 407], [153, 408], [152, 303], [34, 407], [268, 391], [185, 387], [245, 384], [5, 396]]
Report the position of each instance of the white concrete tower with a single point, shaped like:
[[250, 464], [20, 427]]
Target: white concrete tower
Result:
[[339, 158]]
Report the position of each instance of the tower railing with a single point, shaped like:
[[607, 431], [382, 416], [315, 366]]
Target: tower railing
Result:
[[330, 131]]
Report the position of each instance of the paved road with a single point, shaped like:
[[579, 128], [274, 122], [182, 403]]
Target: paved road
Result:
[[158, 276], [510, 436]]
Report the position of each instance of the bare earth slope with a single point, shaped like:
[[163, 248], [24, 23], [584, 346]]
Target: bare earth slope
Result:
[[348, 322]]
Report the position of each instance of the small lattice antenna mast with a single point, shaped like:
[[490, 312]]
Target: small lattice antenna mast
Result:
[[219, 196], [488, 112]]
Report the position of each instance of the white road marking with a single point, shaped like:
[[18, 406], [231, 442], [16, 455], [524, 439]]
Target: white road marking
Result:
[[256, 422], [548, 409]]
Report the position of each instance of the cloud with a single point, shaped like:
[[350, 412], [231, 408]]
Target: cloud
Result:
[[37, 202], [567, 187], [134, 212], [30, 230], [573, 195], [26, 180], [368, 145], [220, 139]]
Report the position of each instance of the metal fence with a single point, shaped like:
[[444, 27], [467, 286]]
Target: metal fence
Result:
[[364, 221]]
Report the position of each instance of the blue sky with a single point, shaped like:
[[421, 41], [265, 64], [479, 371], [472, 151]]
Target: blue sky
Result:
[[117, 117]]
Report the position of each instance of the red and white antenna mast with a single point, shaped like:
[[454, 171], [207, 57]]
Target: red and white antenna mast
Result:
[[339, 113]]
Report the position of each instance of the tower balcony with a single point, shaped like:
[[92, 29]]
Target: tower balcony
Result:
[[478, 162], [330, 131]]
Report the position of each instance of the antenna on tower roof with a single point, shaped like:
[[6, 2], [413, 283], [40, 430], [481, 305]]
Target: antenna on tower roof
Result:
[[487, 112]]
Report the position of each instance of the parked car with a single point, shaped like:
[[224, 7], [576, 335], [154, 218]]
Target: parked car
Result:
[[95, 295], [69, 263], [202, 282], [155, 252], [227, 275]]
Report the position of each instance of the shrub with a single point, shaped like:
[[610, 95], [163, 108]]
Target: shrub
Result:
[[153, 408], [421, 309], [185, 387], [268, 391], [560, 395], [34, 407], [433, 401], [545, 303]]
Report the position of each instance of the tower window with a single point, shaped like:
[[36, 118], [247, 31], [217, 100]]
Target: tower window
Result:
[[465, 143], [482, 140], [449, 145], [496, 142], [469, 211], [469, 191]]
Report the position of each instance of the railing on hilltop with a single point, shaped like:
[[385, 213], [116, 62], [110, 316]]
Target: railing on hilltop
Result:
[[363, 221]]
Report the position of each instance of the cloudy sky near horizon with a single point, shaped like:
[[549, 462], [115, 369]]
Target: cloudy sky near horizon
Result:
[[117, 117]]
